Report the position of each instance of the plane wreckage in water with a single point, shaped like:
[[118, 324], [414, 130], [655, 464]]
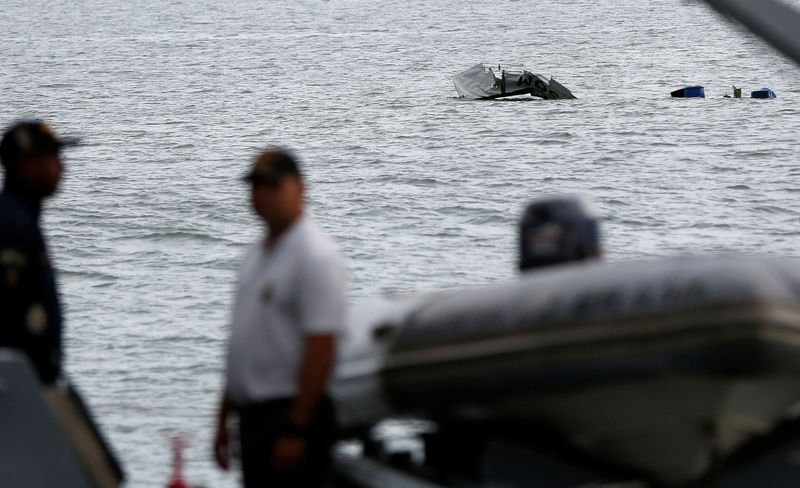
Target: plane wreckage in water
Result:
[[485, 81]]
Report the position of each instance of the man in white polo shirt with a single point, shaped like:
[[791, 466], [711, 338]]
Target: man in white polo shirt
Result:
[[288, 313]]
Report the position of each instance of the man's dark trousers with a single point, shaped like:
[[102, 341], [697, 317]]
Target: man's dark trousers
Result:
[[261, 424]]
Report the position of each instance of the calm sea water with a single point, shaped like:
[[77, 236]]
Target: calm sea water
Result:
[[422, 190]]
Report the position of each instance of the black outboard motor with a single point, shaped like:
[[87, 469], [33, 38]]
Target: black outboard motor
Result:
[[556, 230]]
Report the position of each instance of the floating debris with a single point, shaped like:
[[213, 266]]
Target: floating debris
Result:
[[737, 92], [485, 81], [763, 93], [696, 91]]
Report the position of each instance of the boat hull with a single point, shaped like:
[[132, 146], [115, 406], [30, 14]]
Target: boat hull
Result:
[[663, 368], [482, 81]]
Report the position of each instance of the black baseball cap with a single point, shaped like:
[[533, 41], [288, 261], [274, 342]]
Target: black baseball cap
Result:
[[272, 165], [30, 137]]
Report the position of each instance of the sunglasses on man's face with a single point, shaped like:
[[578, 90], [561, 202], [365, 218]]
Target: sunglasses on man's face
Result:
[[273, 183]]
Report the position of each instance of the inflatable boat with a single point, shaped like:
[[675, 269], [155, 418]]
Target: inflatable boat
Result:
[[664, 368], [487, 81]]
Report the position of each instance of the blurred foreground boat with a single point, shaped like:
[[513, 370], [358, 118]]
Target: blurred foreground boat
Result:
[[776, 21], [664, 368], [485, 81], [48, 435]]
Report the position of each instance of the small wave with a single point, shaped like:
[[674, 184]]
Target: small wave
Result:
[[56, 85], [755, 155], [551, 179], [88, 275], [772, 209], [103, 285], [552, 142], [489, 219], [711, 225], [419, 181], [171, 235], [563, 135]]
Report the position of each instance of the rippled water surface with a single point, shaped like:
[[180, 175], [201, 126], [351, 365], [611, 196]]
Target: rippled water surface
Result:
[[421, 189]]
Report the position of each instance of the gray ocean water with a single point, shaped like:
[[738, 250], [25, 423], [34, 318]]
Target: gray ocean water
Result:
[[422, 190]]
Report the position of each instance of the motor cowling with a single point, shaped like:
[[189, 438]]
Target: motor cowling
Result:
[[556, 230]]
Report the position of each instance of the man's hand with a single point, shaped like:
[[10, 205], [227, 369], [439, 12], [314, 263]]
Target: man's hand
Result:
[[221, 452], [290, 449]]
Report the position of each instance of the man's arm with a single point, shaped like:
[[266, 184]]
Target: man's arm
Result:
[[315, 368], [321, 315], [322, 310], [221, 452]]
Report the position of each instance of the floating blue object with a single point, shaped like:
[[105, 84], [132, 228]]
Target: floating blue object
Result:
[[696, 91], [763, 93]]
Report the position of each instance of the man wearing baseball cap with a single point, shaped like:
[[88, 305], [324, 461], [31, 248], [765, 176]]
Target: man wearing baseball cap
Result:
[[30, 314], [287, 316]]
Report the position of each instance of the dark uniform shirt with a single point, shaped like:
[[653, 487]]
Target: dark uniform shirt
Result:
[[30, 314]]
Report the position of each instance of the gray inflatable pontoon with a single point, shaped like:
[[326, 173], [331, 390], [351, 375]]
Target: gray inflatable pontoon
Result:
[[663, 367]]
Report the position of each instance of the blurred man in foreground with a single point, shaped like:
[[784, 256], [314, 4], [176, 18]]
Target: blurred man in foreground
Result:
[[288, 312], [30, 313], [29, 307]]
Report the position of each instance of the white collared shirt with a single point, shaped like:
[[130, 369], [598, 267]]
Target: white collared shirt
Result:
[[284, 293]]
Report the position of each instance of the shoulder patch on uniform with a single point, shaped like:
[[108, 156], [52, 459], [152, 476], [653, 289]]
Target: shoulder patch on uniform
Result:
[[11, 257], [36, 319]]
